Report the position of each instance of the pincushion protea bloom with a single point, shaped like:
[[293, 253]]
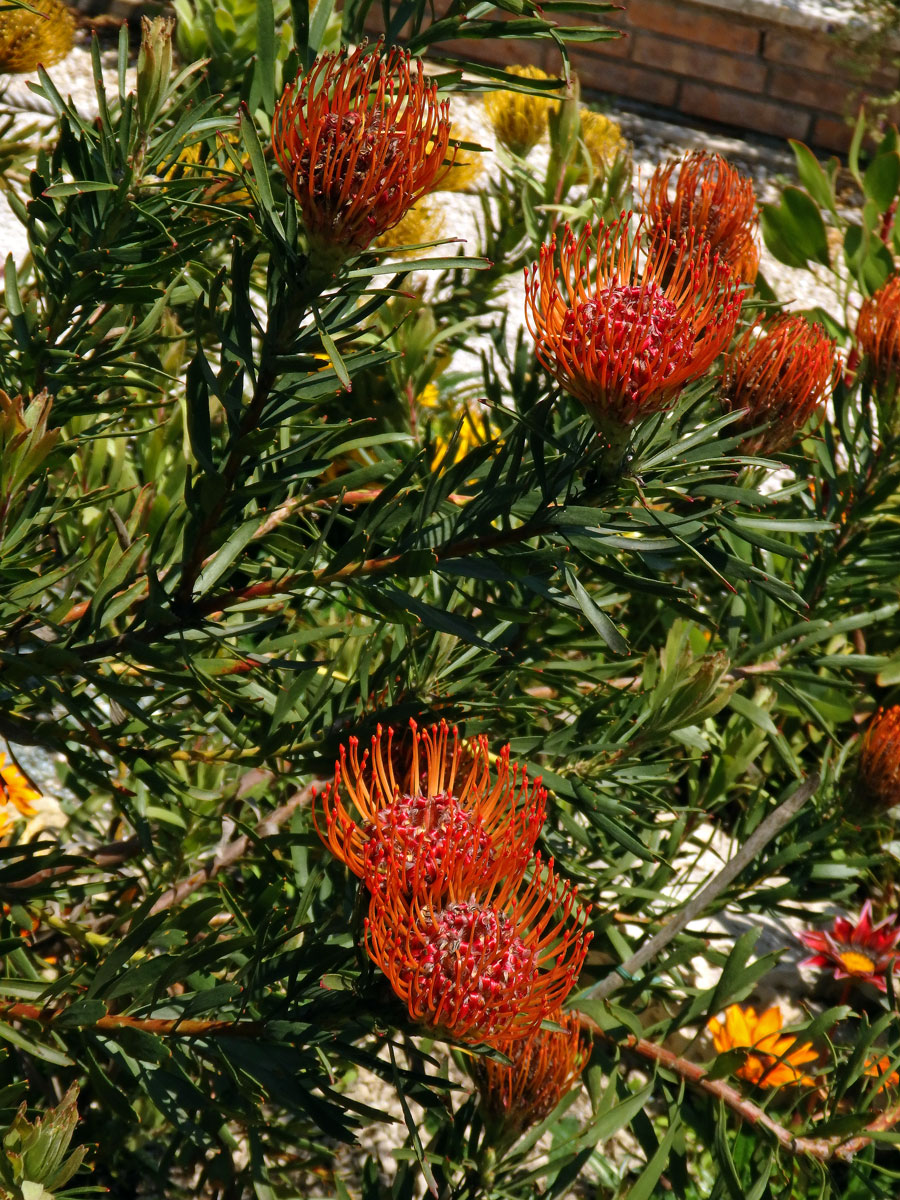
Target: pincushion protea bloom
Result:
[[783, 377], [360, 138], [878, 333], [712, 198], [862, 951], [445, 804], [32, 38], [774, 1060], [474, 958], [879, 759], [519, 120], [15, 793], [544, 1068], [625, 333]]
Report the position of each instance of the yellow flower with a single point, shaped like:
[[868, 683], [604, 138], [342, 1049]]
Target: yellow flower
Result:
[[603, 139], [31, 38], [421, 223], [467, 164], [15, 792], [519, 120], [774, 1060], [476, 429], [198, 159]]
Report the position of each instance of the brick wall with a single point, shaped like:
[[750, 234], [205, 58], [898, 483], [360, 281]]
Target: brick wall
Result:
[[736, 68]]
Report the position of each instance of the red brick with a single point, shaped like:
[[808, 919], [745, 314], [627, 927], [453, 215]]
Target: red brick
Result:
[[810, 89], [624, 79], [830, 134], [806, 51], [686, 21], [696, 62], [746, 112]]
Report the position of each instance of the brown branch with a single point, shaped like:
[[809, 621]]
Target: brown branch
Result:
[[761, 836], [233, 851], [103, 857], [164, 1027], [820, 1148]]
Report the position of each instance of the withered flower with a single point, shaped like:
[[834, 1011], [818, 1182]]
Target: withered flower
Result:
[[360, 138], [478, 958], [712, 198], [879, 759], [445, 803], [544, 1068], [625, 333], [783, 377], [774, 1059]]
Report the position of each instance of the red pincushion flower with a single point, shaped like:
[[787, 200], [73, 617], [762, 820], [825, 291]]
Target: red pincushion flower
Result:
[[879, 759], [474, 958], [360, 138], [625, 334], [449, 804], [862, 951], [544, 1068], [712, 198], [878, 333], [783, 376]]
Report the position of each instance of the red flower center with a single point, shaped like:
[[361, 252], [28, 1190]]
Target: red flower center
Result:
[[636, 327], [352, 145], [477, 965], [426, 832]]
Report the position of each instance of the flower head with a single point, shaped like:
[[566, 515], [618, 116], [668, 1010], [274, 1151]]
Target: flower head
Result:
[[878, 333], [29, 39], [446, 803], [478, 956], [714, 199], [424, 222], [360, 138], [879, 759], [603, 139], [783, 376], [774, 1060], [862, 951], [879, 1067], [624, 334], [544, 1068], [518, 119], [15, 793]]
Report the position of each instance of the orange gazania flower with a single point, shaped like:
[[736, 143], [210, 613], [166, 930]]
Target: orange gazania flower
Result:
[[879, 759], [714, 199], [862, 951], [624, 334], [879, 1067], [360, 138], [15, 793], [478, 958], [783, 377], [429, 804], [544, 1068], [878, 333], [772, 1060]]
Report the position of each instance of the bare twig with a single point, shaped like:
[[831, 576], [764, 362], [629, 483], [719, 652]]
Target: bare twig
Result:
[[233, 851], [761, 836], [104, 857]]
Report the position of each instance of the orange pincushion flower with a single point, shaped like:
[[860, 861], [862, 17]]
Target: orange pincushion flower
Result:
[[15, 792], [448, 804], [478, 958], [879, 760], [545, 1067], [360, 138], [878, 333], [712, 198], [773, 1060], [783, 377], [625, 334]]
